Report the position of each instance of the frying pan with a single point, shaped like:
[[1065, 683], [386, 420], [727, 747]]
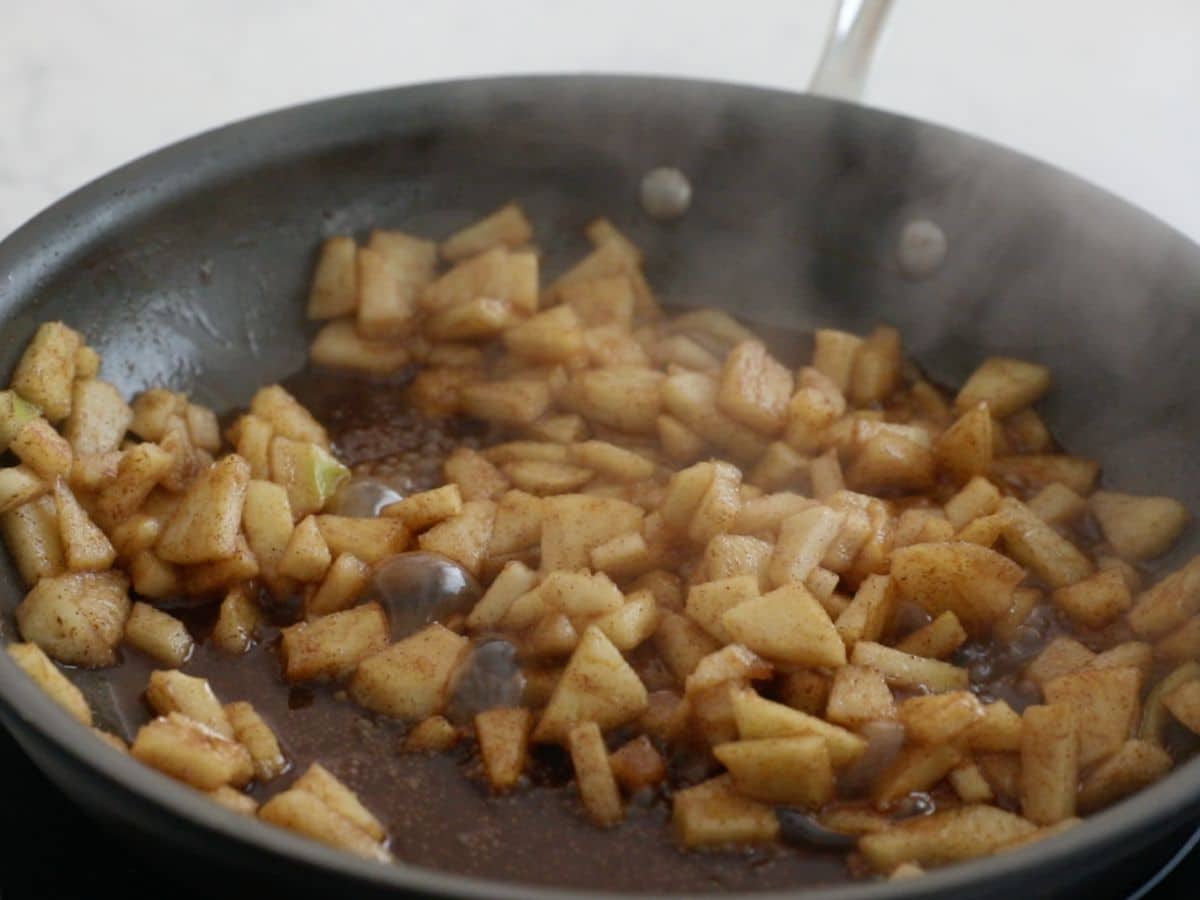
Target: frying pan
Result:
[[188, 268]]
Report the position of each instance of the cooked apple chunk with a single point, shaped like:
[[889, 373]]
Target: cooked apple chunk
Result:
[[159, 635], [1107, 703], [38, 666], [714, 813], [503, 736], [973, 582], [331, 647], [787, 625], [193, 753], [205, 526], [412, 678], [598, 685], [319, 806], [1095, 602], [463, 538], [334, 285], [945, 837], [86, 547], [1049, 763], [594, 774], [46, 371], [1006, 385], [755, 388], [787, 771], [77, 619], [1134, 766], [1139, 527], [758, 718], [253, 733]]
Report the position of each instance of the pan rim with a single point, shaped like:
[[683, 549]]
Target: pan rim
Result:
[[126, 193]]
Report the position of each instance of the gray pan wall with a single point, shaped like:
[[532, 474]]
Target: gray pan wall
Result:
[[189, 268]]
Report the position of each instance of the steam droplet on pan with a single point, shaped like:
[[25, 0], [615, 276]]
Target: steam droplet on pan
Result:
[[666, 193], [922, 248]]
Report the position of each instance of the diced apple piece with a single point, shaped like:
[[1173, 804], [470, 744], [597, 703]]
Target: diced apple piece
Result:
[[305, 813], [1036, 545], [15, 413], [869, 613], [945, 837], [1040, 469], [463, 538], [1006, 385], [77, 619], [31, 534], [787, 625], [371, 540], [1168, 604], [714, 814], [475, 476], [18, 486], [1139, 527], [903, 670], [191, 752], [999, 730], [306, 557], [1049, 764], [1135, 766], [574, 524], [238, 622], [171, 691], [758, 718], [386, 305], [231, 798], [1107, 702], [86, 547], [253, 733], [1096, 601], [682, 644], [804, 538], [411, 679], [425, 509], [307, 471], [43, 450], [432, 735], [964, 450], [593, 774], [99, 417], [331, 647], [917, 769], [503, 744], [346, 579], [339, 346], [1060, 656], [38, 666], [691, 397], [973, 582], [834, 355], [334, 289], [859, 695], [1183, 702], [891, 463], [598, 685], [46, 371], [708, 602], [755, 388], [792, 771], [626, 398], [637, 765], [206, 524], [159, 635], [937, 640], [287, 416], [978, 497], [553, 336], [1057, 504]]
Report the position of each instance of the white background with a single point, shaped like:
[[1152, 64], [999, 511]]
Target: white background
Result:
[[1107, 88]]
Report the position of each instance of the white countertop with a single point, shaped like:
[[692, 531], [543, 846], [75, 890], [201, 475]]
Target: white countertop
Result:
[[1106, 88]]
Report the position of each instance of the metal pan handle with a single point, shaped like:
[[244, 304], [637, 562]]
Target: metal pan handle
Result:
[[849, 48]]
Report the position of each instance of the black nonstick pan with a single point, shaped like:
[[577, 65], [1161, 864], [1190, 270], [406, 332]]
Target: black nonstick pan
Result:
[[188, 268]]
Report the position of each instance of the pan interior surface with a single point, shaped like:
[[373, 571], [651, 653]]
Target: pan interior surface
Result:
[[189, 269]]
